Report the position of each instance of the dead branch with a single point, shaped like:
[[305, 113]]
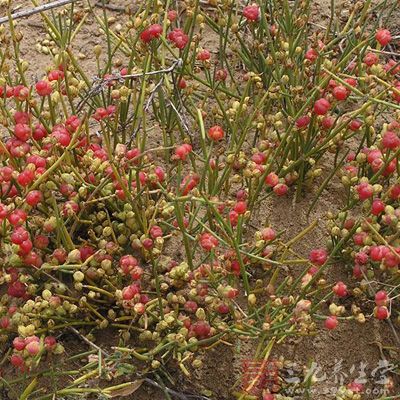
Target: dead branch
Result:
[[36, 10]]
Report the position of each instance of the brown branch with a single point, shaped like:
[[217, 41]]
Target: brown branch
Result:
[[36, 10]]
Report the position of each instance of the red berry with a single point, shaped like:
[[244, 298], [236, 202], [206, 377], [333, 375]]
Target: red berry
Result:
[[50, 342], [268, 234], [303, 121], [370, 59], [203, 55], [43, 88], [201, 329], [34, 197], [22, 132], [390, 140], [190, 306], [355, 125], [381, 312], [179, 38], [17, 360], [340, 93], [280, 189], [381, 298], [365, 191], [208, 241], [240, 207], [216, 133], [272, 179], [383, 37], [318, 256], [156, 231], [328, 122], [251, 13], [331, 322], [378, 206], [311, 55], [19, 343], [321, 106], [172, 15], [340, 289]]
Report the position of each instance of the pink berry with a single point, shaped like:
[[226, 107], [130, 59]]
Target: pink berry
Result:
[[331, 322], [32, 348], [383, 37], [340, 289], [19, 343], [321, 106], [318, 256], [381, 313], [365, 191], [251, 13], [381, 298]]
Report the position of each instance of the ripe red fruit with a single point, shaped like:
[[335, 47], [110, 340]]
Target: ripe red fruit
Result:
[[364, 190], [390, 140], [216, 133], [17, 217], [19, 235], [303, 121], [26, 177], [311, 55], [378, 253], [370, 59], [43, 88], [190, 306], [19, 343], [381, 298], [340, 289], [321, 106], [156, 231], [378, 206], [318, 256], [272, 179], [17, 360], [251, 13], [179, 38], [240, 207], [328, 122], [331, 322], [201, 329], [268, 396], [4, 322], [172, 15], [383, 37], [203, 55], [280, 189], [50, 342], [381, 312], [233, 217], [129, 292], [208, 241], [34, 197], [268, 234], [355, 125], [182, 151], [22, 132], [340, 93], [152, 32]]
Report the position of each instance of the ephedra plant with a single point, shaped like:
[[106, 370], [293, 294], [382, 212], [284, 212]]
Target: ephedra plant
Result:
[[128, 199]]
